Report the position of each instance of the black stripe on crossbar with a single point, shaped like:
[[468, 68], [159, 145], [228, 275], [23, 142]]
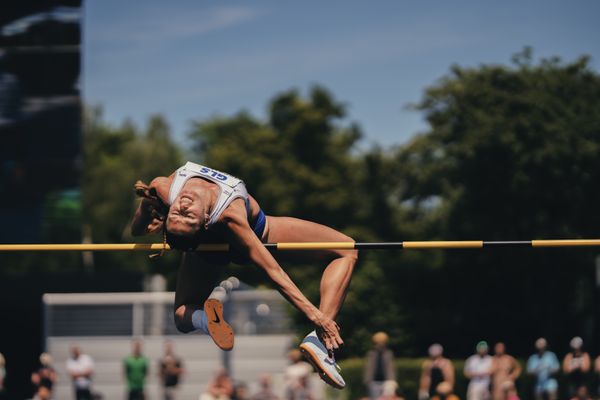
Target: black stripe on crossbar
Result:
[[382, 245]]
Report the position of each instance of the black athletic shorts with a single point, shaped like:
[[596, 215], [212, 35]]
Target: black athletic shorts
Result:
[[196, 279]]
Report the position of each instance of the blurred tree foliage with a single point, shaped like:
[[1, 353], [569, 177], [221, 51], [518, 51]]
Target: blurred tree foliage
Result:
[[512, 153], [115, 157], [303, 162]]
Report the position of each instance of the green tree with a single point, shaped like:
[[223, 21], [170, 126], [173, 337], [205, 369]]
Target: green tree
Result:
[[303, 162], [115, 157], [513, 152]]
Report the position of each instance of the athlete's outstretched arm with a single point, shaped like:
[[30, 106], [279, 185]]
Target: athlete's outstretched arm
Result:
[[246, 241], [145, 220]]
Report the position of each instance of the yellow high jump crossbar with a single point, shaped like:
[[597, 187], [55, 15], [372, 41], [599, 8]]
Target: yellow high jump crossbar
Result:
[[287, 246]]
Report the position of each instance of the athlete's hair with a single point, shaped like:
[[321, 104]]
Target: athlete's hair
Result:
[[175, 241]]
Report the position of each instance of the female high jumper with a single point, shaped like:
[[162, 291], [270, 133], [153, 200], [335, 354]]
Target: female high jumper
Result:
[[197, 204]]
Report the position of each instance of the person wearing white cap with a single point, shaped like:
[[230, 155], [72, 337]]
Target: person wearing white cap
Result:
[[576, 365], [435, 370], [543, 365], [478, 369]]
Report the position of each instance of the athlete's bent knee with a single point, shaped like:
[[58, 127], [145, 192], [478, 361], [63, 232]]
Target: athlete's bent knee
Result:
[[183, 320], [350, 254]]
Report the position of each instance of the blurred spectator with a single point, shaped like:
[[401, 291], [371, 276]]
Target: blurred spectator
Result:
[[45, 374], [597, 375], [379, 367], [170, 372], [581, 393], [81, 368], [443, 391], [303, 391], [543, 366], [265, 392], [2, 375], [42, 393], [435, 370], [576, 366], [135, 368], [389, 391], [220, 388], [478, 369], [296, 377], [509, 391], [240, 392], [505, 368]]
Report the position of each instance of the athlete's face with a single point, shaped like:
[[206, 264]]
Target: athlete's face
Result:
[[187, 214]]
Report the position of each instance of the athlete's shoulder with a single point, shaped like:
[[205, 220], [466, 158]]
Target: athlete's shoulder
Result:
[[235, 213]]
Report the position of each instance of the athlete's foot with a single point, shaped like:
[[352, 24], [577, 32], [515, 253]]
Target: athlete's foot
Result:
[[218, 329], [324, 362]]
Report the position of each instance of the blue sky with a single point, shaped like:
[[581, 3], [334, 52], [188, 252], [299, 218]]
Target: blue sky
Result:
[[194, 59]]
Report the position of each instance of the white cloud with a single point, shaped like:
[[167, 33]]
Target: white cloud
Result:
[[172, 24]]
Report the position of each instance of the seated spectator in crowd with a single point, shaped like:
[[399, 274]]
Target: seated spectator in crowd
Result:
[[45, 375], [509, 391], [42, 393], [304, 389], [170, 372], [296, 377], [379, 367], [2, 375], [443, 391], [544, 365], [240, 392], [596, 375], [435, 370], [505, 368], [581, 393], [576, 366], [81, 368], [135, 368], [265, 392], [389, 392], [478, 369], [219, 388]]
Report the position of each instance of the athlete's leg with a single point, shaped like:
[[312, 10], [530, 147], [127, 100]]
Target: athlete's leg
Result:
[[337, 274], [195, 282], [334, 282], [196, 297]]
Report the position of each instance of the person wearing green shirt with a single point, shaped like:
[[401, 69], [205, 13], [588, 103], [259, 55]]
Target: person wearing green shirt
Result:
[[135, 367]]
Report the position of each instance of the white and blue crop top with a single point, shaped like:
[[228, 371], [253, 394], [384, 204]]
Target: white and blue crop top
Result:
[[231, 188]]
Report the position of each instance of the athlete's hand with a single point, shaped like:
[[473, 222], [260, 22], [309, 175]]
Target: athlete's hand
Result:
[[328, 332]]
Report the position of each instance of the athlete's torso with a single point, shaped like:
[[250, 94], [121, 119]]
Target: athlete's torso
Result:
[[230, 187]]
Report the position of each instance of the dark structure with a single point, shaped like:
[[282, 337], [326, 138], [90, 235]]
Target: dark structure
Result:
[[40, 114], [40, 141]]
